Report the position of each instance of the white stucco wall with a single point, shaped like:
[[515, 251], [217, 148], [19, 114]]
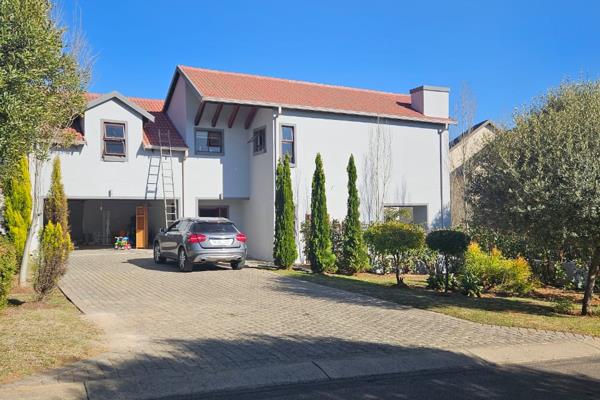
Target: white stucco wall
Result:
[[85, 173], [415, 150]]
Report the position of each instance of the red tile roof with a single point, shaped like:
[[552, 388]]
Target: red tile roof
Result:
[[161, 122], [252, 89]]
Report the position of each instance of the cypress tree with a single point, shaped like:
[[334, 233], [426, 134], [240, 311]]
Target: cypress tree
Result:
[[284, 249], [56, 208], [355, 258], [17, 205], [321, 256]]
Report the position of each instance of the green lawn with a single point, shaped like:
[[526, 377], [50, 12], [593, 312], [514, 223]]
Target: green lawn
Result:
[[35, 336], [525, 312]]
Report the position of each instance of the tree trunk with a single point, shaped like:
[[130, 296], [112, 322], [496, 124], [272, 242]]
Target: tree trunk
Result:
[[586, 308], [35, 212]]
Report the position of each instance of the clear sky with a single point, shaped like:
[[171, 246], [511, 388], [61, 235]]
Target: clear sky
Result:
[[507, 52]]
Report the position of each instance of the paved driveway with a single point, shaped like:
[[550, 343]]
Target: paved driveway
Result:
[[157, 318]]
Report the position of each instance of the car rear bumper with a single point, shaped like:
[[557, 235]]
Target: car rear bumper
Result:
[[224, 255]]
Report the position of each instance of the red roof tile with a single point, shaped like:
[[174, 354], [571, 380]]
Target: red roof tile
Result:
[[161, 122], [253, 89]]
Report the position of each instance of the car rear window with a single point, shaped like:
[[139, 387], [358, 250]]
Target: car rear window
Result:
[[214, 227]]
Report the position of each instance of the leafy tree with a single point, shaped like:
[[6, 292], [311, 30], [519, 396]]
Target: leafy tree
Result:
[[540, 179], [354, 251], [17, 205], [395, 239], [43, 75], [449, 243], [284, 249], [320, 253]]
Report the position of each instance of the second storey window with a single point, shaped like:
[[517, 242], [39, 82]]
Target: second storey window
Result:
[[287, 142], [114, 139], [209, 142], [259, 141]]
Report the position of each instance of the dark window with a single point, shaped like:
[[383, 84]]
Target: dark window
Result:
[[259, 141], [287, 142], [215, 211], [114, 139], [209, 142], [214, 227]]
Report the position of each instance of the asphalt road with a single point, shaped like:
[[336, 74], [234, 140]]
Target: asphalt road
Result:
[[571, 379]]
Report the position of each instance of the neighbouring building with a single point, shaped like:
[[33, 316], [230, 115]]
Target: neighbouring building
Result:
[[211, 148], [462, 148]]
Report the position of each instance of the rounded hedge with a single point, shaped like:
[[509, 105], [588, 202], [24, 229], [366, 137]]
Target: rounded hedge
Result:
[[448, 241]]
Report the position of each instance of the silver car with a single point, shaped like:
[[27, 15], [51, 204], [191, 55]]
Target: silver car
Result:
[[201, 240]]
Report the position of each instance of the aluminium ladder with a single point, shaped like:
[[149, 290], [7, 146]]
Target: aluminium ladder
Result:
[[168, 184]]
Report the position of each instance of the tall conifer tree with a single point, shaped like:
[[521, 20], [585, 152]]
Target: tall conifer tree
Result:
[[321, 256], [355, 258], [284, 249], [17, 205]]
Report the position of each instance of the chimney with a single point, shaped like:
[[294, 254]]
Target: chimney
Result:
[[431, 101]]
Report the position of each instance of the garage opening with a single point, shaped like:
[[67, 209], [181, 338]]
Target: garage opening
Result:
[[98, 222]]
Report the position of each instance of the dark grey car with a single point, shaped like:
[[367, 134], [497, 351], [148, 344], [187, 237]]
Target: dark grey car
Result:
[[192, 241]]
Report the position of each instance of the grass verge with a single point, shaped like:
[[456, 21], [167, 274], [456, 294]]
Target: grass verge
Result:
[[537, 311], [39, 335]]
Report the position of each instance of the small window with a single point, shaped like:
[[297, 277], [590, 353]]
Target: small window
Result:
[[412, 214], [287, 142], [114, 140], [259, 141], [213, 211], [209, 142]]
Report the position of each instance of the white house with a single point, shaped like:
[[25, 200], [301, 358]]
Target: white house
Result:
[[226, 131]]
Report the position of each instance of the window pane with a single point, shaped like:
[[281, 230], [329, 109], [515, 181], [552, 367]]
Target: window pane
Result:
[[115, 131], [115, 147], [214, 227], [288, 148], [213, 212], [287, 133], [259, 140], [209, 142]]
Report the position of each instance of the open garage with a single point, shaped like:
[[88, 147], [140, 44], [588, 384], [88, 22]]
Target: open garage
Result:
[[97, 222]]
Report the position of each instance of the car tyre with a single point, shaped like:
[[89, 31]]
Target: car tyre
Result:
[[157, 257], [183, 262], [237, 265]]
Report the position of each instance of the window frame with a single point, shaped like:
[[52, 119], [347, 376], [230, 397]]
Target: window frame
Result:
[[293, 142], [255, 133], [208, 131], [114, 156], [213, 206]]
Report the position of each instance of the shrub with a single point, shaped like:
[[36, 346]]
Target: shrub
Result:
[[336, 233], [17, 209], [452, 245], [394, 240], [8, 267], [492, 270], [52, 259], [563, 305]]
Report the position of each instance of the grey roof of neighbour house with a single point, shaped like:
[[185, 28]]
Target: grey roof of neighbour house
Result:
[[484, 123]]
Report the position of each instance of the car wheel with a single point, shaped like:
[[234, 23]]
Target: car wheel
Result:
[[157, 257], [185, 265], [237, 265]]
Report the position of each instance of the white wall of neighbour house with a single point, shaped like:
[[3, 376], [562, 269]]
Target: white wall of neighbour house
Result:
[[87, 175], [415, 150]]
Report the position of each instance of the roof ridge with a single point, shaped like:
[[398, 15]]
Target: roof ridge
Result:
[[296, 81]]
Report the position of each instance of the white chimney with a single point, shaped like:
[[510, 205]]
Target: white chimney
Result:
[[431, 101]]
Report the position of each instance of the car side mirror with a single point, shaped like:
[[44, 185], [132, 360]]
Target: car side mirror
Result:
[[162, 230]]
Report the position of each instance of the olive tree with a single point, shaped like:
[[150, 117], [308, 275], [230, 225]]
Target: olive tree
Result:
[[541, 178]]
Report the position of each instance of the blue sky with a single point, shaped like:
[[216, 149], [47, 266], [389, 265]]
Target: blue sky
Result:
[[507, 52]]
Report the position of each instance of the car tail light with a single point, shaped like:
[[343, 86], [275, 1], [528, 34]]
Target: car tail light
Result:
[[196, 238], [240, 237]]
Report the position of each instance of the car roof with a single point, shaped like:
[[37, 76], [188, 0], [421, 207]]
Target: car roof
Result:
[[210, 219]]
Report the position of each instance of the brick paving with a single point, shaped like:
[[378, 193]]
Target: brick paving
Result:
[[160, 321]]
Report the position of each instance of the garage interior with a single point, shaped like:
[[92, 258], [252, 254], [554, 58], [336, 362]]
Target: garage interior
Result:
[[97, 222]]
